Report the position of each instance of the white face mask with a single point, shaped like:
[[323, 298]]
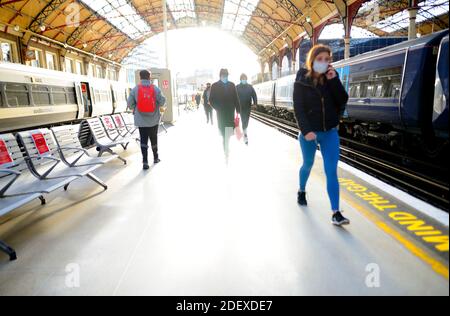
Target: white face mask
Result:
[[320, 67]]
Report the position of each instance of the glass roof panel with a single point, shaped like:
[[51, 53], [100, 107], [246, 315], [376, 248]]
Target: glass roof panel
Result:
[[182, 8], [237, 14], [120, 14], [429, 10]]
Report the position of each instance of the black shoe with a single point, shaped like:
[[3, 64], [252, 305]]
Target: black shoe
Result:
[[339, 219], [156, 161], [301, 199], [146, 166]]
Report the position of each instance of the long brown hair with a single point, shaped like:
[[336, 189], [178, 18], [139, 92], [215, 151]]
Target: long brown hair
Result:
[[312, 55]]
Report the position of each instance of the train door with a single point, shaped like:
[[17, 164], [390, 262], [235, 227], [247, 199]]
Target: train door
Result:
[[80, 101], [87, 99]]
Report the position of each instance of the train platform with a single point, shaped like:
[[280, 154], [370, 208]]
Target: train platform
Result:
[[194, 225]]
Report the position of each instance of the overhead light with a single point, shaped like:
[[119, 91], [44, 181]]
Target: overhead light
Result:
[[42, 28], [110, 56], [85, 45], [308, 19], [17, 28]]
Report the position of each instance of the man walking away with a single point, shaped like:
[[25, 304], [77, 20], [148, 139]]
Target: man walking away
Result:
[[207, 105], [146, 101], [225, 101], [247, 98]]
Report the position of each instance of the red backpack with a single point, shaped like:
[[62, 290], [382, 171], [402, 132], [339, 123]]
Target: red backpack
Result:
[[146, 99]]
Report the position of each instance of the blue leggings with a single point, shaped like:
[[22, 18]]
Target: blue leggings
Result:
[[329, 146]]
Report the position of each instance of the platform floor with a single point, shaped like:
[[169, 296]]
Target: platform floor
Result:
[[195, 226]]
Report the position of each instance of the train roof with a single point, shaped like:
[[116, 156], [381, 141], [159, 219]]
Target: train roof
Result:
[[420, 42]]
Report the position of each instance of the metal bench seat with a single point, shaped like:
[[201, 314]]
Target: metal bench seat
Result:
[[45, 162], [114, 133], [129, 128], [16, 178], [72, 152], [101, 139]]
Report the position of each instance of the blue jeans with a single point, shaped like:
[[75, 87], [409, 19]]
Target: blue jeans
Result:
[[330, 148]]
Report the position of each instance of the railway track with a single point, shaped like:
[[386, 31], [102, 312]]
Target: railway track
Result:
[[383, 165]]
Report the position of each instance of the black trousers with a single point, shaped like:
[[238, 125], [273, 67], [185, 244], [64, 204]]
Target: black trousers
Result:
[[209, 114], [147, 133]]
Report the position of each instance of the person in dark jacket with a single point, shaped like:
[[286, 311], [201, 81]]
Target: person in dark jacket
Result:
[[247, 98], [207, 105], [224, 99], [319, 101], [198, 100]]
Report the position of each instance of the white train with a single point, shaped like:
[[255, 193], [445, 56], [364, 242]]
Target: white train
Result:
[[33, 97]]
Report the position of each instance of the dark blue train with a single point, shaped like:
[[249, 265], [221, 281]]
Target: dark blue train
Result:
[[398, 94]]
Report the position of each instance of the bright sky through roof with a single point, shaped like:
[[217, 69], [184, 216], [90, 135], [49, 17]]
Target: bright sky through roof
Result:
[[205, 48]]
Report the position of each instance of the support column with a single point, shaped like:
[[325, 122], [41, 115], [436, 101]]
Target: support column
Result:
[[348, 14], [347, 40], [412, 30], [166, 44]]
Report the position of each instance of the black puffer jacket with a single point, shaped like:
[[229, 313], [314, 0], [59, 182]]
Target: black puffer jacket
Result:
[[318, 109]]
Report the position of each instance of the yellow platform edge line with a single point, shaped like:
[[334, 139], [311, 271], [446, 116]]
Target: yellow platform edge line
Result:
[[436, 265]]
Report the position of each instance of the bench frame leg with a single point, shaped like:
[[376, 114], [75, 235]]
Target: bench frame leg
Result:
[[8, 250], [97, 180], [110, 151]]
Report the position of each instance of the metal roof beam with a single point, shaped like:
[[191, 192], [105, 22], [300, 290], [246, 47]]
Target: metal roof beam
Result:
[[40, 18]]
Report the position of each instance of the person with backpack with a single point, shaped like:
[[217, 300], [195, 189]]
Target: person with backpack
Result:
[[145, 101], [319, 102]]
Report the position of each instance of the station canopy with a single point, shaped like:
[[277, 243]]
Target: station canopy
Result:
[[114, 28]]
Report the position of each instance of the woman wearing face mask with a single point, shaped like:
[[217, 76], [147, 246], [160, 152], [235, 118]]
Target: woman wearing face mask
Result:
[[319, 101]]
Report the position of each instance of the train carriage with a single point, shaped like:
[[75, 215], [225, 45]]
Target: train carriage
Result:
[[34, 97]]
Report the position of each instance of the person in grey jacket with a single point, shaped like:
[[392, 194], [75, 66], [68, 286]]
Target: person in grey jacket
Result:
[[147, 122]]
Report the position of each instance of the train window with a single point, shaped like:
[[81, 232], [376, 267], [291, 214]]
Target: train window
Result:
[[41, 95], [378, 93], [105, 96], [59, 95], [71, 95], [396, 87], [370, 91], [355, 90], [380, 78], [101, 96], [17, 94], [97, 96]]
